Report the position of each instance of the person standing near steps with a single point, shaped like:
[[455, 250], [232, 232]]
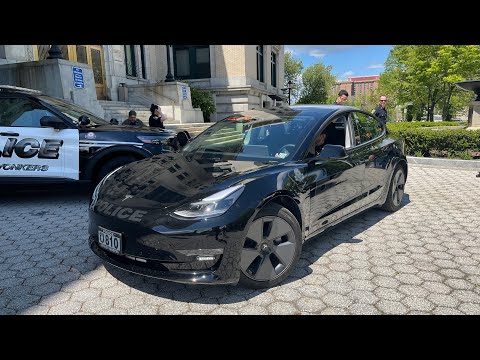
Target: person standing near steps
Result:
[[157, 118]]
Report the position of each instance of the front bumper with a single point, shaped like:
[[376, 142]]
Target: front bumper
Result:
[[195, 254], [157, 270]]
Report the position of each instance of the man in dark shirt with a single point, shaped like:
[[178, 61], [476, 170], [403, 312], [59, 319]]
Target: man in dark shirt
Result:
[[341, 98], [317, 146], [132, 119], [381, 110]]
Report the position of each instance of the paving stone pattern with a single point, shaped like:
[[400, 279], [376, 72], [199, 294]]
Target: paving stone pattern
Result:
[[423, 259]]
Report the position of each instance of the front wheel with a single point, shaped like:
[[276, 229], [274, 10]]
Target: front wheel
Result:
[[395, 191], [271, 249]]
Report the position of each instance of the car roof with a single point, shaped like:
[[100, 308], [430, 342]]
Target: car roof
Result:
[[324, 106], [17, 89]]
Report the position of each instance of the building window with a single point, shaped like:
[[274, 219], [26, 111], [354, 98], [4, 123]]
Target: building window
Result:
[[82, 54], [260, 69], [142, 58], [130, 63], [274, 69], [191, 62]]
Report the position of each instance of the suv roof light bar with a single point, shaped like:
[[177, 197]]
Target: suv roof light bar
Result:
[[9, 88]]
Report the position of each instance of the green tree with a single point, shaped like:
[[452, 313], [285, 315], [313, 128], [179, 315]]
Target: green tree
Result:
[[203, 99], [424, 75], [456, 63], [293, 71], [364, 101], [317, 83]]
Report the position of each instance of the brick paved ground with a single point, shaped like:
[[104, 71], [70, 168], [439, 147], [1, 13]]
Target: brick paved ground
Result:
[[424, 259]]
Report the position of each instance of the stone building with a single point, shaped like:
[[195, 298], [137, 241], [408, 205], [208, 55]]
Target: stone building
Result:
[[123, 77]]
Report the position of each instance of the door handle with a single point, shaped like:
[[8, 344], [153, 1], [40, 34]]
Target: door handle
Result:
[[9, 134]]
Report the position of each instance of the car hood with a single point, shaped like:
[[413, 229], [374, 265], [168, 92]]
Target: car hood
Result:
[[169, 180], [126, 128]]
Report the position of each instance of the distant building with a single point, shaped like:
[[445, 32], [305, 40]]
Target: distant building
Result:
[[359, 85]]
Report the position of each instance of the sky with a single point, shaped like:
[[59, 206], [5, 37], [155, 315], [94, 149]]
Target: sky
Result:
[[346, 60]]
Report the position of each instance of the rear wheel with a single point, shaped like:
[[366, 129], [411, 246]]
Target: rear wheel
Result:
[[396, 190], [271, 249]]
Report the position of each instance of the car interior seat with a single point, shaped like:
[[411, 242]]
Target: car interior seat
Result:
[[335, 133], [277, 138]]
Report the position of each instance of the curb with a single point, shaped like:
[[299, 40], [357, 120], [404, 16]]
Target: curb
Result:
[[449, 163]]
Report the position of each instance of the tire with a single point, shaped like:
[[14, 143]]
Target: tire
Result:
[[395, 190], [112, 164], [267, 259]]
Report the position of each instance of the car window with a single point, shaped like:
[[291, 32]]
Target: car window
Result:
[[335, 134], [18, 112], [365, 127], [258, 135], [73, 111]]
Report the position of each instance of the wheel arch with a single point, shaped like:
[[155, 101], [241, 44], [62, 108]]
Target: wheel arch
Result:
[[403, 164], [288, 201], [396, 162], [103, 156]]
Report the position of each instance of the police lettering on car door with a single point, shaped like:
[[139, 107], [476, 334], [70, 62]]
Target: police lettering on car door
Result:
[[28, 148]]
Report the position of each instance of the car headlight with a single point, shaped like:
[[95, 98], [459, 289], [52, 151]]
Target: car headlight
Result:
[[211, 206], [154, 140]]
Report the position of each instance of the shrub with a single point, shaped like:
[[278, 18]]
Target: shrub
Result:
[[451, 143], [203, 99], [419, 124]]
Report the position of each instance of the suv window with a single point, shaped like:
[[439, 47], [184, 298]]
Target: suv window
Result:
[[21, 112], [72, 111], [365, 127]]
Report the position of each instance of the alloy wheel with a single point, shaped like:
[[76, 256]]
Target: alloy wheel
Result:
[[398, 187], [269, 248]]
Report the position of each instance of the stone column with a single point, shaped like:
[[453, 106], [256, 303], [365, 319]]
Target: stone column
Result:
[[474, 115]]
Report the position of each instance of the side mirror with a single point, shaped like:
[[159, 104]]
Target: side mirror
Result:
[[333, 152], [84, 120], [113, 121], [183, 138], [53, 122]]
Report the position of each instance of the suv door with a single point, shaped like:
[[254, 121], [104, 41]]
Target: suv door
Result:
[[29, 150]]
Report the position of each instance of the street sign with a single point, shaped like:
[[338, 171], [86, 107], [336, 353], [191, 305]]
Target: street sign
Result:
[[78, 78], [184, 92]]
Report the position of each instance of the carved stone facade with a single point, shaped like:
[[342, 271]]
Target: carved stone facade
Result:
[[240, 77]]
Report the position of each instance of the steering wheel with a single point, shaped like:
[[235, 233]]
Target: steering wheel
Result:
[[284, 149]]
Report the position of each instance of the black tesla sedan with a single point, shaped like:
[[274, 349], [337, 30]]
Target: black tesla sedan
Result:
[[237, 202]]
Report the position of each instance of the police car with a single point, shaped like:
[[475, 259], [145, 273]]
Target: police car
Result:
[[46, 139]]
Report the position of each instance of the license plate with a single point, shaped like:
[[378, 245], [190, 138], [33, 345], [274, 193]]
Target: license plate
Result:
[[110, 240]]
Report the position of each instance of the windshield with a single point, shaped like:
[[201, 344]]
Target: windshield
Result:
[[256, 135], [73, 111]]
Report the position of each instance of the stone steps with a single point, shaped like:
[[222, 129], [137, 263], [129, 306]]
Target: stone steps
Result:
[[193, 128], [119, 110]]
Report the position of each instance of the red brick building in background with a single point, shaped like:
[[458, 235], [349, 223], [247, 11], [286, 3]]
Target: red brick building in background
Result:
[[358, 85]]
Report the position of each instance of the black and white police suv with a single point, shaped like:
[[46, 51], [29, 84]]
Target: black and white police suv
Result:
[[46, 139]]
